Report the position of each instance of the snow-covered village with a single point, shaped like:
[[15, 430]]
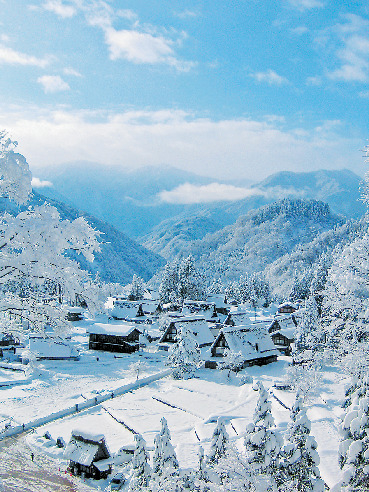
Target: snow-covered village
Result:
[[184, 246]]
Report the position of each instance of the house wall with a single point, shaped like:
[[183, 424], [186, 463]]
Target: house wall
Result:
[[112, 343]]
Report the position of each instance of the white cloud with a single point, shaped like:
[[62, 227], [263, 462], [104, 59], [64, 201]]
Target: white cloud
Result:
[[300, 30], [349, 43], [71, 71], [143, 47], [53, 83], [12, 57], [221, 149], [270, 77], [38, 183], [60, 9], [188, 193], [306, 4]]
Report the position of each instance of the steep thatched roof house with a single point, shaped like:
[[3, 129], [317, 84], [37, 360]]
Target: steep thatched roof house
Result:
[[196, 325], [89, 455], [251, 341], [282, 331]]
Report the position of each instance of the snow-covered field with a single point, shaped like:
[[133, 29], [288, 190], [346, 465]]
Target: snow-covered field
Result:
[[191, 407]]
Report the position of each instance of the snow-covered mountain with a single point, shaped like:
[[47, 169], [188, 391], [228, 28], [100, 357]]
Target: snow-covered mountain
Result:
[[120, 256], [131, 201], [128, 200], [257, 239]]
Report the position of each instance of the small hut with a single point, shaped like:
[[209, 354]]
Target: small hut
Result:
[[88, 455]]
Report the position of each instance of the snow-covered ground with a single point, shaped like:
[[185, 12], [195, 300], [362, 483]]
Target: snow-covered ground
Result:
[[191, 407]]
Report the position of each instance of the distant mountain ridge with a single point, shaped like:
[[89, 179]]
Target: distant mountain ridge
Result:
[[130, 200]]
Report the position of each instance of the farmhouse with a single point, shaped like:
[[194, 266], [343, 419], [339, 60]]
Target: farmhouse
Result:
[[74, 313], [126, 310], [287, 307], [123, 338], [237, 317], [251, 341], [8, 345], [282, 331], [196, 325], [49, 348], [88, 455]]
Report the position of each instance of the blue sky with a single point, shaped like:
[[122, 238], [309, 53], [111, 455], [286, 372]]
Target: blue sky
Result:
[[228, 89]]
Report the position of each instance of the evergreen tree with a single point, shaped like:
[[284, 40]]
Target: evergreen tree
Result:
[[165, 459], [184, 356], [218, 446], [354, 446], [299, 457], [308, 333], [168, 289], [190, 282], [141, 469], [262, 442], [137, 289]]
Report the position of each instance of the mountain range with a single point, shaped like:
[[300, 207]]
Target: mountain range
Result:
[[133, 202]]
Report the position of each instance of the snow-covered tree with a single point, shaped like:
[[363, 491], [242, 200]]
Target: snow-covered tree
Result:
[[299, 456], [232, 361], [141, 468], [262, 441], [165, 459], [219, 441], [15, 176], [307, 332], [190, 281], [168, 288], [354, 446], [184, 356], [37, 271], [137, 289]]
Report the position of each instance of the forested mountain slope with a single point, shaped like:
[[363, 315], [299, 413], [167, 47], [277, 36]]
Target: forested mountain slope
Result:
[[120, 256], [259, 238]]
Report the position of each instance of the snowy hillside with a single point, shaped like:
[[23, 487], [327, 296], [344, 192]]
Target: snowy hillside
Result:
[[256, 239], [120, 256]]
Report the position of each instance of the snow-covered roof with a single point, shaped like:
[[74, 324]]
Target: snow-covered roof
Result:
[[81, 452], [83, 447], [285, 322], [288, 332], [198, 327], [121, 329], [74, 309], [239, 317], [51, 348], [252, 342]]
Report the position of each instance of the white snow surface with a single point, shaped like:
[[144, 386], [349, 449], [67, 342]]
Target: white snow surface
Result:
[[191, 407]]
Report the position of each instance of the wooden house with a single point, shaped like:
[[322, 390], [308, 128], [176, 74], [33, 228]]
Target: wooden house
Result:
[[126, 310], [88, 455], [196, 325], [287, 307], [123, 338], [74, 313], [237, 317], [282, 331], [8, 345], [251, 341], [199, 308], [220, 302]]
